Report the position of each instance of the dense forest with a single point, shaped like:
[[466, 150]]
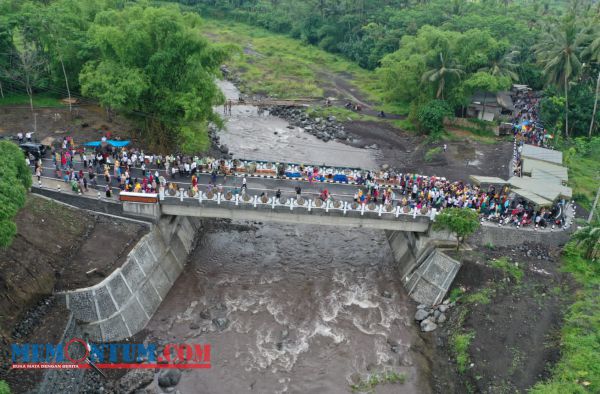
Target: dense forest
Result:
[[429, 56], [149, 63], [427, 51]]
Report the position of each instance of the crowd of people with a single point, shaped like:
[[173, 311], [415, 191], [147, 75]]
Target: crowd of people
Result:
[[527, 127], [416, 192]]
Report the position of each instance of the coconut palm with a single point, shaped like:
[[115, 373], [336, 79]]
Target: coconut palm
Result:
[[588, 238], [503, 65], [441, 72], [559, 52], [592, 53]]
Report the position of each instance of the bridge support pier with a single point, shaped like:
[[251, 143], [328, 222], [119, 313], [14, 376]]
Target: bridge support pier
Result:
[[426, 272]]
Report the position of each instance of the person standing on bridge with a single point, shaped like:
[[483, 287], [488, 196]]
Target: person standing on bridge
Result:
[[244, 183], [298, 192]]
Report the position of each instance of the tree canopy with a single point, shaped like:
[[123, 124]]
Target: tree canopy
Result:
[[149, 63], [15, 180], [153, 63], [459, 221]]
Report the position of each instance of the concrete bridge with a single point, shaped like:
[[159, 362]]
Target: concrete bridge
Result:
[[427, 273]]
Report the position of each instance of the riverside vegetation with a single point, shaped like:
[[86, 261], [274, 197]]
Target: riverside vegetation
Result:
[[420, 59]]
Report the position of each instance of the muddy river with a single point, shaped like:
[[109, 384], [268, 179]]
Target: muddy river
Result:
[[288, 308], [254, 136]]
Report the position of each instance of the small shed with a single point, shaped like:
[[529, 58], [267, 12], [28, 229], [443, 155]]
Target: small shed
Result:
[[489, 106]]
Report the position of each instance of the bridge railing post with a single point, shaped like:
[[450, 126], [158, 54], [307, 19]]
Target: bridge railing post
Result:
[[255, 200], [292, 203], [415, 212], [380, 209], [309, 205], [397, 211], [345, 206], [161, 193], [219, 198], [181, 194], [237, 200], [327, 206], [362, 209]]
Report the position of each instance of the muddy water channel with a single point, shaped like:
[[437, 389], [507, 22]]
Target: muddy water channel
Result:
[[254, 136], [288, 308]]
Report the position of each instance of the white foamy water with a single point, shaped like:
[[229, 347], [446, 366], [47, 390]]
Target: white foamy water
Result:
[[304, 320]]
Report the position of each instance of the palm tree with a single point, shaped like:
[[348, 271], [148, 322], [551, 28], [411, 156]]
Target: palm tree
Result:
[[441, 71], [503, 65], [559, 51], [588, 238], [592, 52]]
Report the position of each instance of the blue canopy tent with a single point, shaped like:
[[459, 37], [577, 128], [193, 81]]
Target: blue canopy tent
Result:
[[115, 143]]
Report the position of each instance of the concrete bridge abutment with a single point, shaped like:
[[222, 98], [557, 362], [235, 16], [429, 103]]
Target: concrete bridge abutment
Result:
[[426, 272]]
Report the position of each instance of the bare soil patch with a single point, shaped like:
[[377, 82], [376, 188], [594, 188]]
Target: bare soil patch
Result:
[[516, 334], [407, 152], [85, 123], [54, 248]]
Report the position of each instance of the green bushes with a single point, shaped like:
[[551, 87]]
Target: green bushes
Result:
[[460, 346], [15, 180], [430, 116], [432, 154], [578, 370], [4, 389]]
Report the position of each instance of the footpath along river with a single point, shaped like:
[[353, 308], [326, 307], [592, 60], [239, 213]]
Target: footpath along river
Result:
[[287, 308]]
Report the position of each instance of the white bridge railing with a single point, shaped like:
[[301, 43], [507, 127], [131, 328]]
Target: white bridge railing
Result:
[[246, 200]]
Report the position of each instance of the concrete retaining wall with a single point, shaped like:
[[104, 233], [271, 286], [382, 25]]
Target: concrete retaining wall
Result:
[[123, 303], [509, 236]]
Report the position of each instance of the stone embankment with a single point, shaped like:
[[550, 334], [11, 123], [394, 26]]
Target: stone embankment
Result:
[[324, 128], [430, 317], [123, 303]]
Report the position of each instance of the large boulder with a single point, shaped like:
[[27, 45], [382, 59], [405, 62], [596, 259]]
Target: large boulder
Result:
[[428, 325], [421, 314], [169, 377]]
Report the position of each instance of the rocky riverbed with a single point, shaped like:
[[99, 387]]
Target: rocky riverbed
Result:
[[325, 129]]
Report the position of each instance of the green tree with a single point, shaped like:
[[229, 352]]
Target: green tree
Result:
[[461, 222], [441, 72], [154, 63], [430, 117], [559, 51], [4, 388], [15, 180]]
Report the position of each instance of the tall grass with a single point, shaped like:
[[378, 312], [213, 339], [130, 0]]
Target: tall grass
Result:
[[578, 370], [39, 100]]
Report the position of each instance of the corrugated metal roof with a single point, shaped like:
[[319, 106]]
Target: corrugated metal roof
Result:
[[487, 180], [529, 165], [534, 198], [537, 153], [548, 190]]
